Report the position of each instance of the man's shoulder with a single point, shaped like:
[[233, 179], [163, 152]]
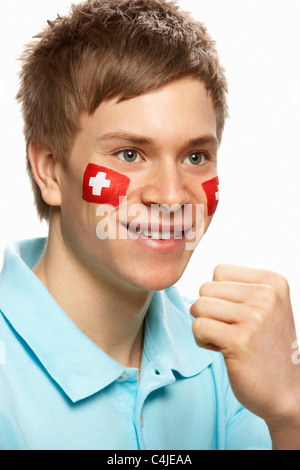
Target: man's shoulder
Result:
[[19, 287], [20, 257]]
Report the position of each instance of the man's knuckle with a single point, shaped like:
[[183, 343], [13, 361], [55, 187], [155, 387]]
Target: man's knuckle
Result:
[[240, 341], [256, 317], [218, 272], [278, 281], [196, 328], [270, 296], [204, 288], [243, 339], [283, 284], [203, 307], [199, 327]]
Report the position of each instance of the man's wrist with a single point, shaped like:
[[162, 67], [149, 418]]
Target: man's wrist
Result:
[[288, 439], [286, 435]]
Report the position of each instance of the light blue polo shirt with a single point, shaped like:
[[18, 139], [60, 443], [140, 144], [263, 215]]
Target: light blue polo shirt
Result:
[[59, 391]]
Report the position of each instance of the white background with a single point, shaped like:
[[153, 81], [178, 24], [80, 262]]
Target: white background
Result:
[[258, 220]]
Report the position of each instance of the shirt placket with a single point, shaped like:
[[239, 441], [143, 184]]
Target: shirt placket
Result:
[[154, 378], [127, 394]]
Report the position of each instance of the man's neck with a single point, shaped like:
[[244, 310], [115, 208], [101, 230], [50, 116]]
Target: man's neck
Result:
[[111, 315]]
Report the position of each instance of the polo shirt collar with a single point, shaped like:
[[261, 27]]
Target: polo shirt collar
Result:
[[73, 361], [174, 345]]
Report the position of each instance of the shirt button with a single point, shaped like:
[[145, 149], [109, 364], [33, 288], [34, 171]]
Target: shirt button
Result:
[[122, 378], [142, 421]]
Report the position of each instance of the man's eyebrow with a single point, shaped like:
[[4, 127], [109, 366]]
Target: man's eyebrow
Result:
[[209, 139], [141, 140]]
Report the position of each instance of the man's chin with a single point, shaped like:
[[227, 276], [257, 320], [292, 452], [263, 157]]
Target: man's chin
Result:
[[156, 281]]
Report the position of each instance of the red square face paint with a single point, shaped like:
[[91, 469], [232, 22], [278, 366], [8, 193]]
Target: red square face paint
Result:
[[211, 189], [104, 186]]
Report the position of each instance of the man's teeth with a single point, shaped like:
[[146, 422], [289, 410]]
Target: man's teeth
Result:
[[156, 235]]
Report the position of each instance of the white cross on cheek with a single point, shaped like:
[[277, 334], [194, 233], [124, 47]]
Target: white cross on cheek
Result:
[[98, 183]]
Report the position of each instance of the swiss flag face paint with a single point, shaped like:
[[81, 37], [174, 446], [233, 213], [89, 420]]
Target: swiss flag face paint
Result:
[[211, 189], [104, 186]]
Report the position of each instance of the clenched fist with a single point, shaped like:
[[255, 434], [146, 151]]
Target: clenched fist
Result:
[[246, 314]]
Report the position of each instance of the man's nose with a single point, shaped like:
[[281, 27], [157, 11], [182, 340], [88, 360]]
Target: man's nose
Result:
[[166, 185]]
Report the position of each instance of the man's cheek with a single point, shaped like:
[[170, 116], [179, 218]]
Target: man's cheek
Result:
[[102, 185], [211, 189]]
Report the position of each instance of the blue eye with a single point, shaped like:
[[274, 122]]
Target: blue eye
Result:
[[196, 158], [129, 155]]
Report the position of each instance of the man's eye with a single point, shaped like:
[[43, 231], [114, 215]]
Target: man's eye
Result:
[[129, 156], [197, 158]]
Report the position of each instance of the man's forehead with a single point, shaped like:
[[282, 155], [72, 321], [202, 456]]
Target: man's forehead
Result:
[[191, 89]]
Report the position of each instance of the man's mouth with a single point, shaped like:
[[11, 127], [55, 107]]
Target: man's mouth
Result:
[[157, 233]]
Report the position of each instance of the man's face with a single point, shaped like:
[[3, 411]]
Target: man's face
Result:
[[165, 143]]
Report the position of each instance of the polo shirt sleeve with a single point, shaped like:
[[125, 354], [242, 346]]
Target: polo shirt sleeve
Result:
[[242, 429], [246, 431]]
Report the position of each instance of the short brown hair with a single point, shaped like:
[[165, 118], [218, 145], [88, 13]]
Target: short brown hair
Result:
[[106, 49]]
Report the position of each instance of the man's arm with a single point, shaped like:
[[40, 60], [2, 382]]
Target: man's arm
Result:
[[246, 314]]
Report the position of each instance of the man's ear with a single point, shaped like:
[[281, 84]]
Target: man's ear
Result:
[[44, 171]]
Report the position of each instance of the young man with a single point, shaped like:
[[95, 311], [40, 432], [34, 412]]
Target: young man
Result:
[[124, 105]]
